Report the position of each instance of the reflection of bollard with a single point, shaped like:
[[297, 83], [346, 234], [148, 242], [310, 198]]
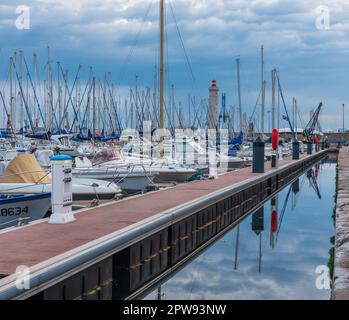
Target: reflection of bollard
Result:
[[295, 150], [62, 195], [309, 148], [258, 156], [295, 187]]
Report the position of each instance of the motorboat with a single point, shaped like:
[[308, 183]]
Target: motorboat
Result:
[[16, 209], [109, 164], [25, 176]]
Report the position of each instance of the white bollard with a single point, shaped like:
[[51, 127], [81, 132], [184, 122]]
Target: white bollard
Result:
[[62, 195], [280, 153], [212, 159]]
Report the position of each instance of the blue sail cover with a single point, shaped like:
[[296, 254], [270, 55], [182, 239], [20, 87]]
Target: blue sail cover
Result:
[[233, 145], [238, 141], [5, 134]]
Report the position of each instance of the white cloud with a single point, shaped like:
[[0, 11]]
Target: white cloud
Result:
[[103, 32]]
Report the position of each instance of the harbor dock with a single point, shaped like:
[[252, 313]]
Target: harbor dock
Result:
[[116, 249], [340, 290]]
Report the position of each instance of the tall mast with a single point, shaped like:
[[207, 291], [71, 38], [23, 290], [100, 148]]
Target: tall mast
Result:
[[273, 77], [59, 89], [94, 107], [137, 106], [263, 90], [88, 114], [14, 103], [173, 108], [9, 124], [21, 111], [162, 32], [35, 111], [239, 92], [48, 90]]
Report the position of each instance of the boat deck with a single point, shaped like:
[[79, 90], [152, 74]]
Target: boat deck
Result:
[[39, 242]]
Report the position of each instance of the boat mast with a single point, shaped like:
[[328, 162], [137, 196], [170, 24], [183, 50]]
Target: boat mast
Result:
[[59, 92], [263, 91], [273, 78], [9, 122], [162, 32], [94, 108], [21, 110], [34, 110], [239, 92]]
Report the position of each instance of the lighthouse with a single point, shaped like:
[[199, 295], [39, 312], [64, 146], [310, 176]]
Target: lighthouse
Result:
[[212, 116]]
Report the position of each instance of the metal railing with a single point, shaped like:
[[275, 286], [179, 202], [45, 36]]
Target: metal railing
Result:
[[48, 273]]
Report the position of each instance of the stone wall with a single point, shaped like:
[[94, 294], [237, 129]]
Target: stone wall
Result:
[[340, 290]]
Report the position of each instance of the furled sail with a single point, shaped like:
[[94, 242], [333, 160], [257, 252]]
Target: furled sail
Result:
[[24, 169]]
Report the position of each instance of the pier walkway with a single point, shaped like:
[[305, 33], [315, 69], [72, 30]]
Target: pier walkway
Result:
[[119, 225]]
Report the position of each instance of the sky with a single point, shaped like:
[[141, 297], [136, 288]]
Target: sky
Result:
[[121, 37]]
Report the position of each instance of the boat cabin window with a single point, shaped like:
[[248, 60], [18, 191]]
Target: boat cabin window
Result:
[[107, 155]]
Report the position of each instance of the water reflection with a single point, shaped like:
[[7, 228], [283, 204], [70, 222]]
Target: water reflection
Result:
[[272, 254]]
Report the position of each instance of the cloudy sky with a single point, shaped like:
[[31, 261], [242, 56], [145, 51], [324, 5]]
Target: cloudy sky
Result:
[[121, 36]]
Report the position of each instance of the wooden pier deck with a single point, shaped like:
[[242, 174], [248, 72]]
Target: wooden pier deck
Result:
[[36, 243]]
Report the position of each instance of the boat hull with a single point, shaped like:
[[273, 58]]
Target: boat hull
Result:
[[13, 208], [129, 182]]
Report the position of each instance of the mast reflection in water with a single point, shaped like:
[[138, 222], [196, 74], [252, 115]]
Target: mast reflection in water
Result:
[[272, 254]]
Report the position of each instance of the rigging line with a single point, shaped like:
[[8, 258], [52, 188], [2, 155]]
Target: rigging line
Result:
[[8, 115], [34, 91], [284, 103], [283, 212], [114, 107], [24, 100], [255, 107], [168, 73], [135, 42], [106, 105], [70, 100], [183, 46], [86, 107], [88, 84]]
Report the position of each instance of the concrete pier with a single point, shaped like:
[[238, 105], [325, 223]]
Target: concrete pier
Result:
[[340, 289], [115, 250]]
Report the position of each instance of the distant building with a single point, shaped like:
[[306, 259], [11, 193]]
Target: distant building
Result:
[[213, 112]]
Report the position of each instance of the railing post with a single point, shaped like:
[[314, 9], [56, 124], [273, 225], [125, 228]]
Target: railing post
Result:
[[62, 195], [295, 150]]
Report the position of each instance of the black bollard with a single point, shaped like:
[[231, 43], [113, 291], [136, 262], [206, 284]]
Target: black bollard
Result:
[[295, 150], [274, 160], [258, 156], [309, 148], [295, 187]]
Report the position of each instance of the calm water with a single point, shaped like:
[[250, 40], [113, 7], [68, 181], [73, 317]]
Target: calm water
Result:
[[285, 269]]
